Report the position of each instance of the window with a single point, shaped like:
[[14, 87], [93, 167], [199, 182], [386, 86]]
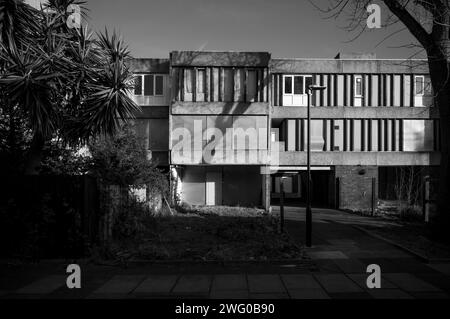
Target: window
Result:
[[308, 82], [418, 135], [419, 82], [148, 85], [251, 86], [358, 86], [298, 85], [159, 85], [288, 85], [138, 85], [188, 80], [228, 85], [201, 80]]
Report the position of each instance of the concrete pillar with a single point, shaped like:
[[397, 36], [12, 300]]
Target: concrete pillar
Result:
[[355, 188], [266, 189]]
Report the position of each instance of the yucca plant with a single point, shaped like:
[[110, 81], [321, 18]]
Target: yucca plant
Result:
[[69, 83]]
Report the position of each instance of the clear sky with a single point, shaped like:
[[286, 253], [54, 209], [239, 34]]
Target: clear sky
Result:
[[286, 28]]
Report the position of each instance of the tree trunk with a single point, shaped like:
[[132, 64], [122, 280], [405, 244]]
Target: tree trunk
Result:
[[441, 86], [34, 155]]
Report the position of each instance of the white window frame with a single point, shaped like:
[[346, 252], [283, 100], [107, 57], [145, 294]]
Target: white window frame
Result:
[[292, 76], [355, 93], [142, 76], [423, 85]]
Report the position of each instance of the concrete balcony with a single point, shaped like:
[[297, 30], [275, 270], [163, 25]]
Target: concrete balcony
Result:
[[224, 157], [220, 108], [341, 112], [358, 158]]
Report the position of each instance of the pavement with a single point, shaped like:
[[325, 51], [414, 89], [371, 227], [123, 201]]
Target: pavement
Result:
[[337, 270]]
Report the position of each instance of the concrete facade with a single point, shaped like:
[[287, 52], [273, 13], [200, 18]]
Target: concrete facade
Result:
[[373, 113]]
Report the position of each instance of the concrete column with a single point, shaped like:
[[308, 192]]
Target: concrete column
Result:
[[266, 189], [355, 188]]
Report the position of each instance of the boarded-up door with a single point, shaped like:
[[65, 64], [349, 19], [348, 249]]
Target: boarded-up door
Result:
[[214, 188]]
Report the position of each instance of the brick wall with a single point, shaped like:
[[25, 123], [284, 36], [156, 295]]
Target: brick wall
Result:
[[355, 187]]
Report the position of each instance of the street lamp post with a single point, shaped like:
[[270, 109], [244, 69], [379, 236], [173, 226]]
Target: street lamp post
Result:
[[311, 88]]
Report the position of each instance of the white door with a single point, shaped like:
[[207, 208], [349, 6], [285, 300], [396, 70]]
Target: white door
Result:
[[419, 84], [358, 94], [213, 188]]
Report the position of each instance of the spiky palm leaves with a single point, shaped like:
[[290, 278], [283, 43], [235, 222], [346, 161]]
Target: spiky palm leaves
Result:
[[68, 83]]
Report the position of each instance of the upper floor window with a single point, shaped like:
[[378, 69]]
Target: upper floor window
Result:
[[358, 86], [149, 85], [201, 80], [295, 89], [188, 78], [419, 85]]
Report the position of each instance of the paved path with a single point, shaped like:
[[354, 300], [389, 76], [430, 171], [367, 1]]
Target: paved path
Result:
[[340, 252]]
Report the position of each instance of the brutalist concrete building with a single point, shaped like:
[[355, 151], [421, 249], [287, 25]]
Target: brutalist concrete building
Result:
[[229, 126]]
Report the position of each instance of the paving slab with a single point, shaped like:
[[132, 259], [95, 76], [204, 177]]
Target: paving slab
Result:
[[265, 284], [156, 284], [342, 242], [361, 280], [313, 293], [119, 285], [389, 294], [351, 266], [229, 282], [431, 295], [332, 254], [337, 283], [229, 294], [443, 268], [350, 295], [300, 282], [410, 283], [43, 286], [192, 284], [268, 296]]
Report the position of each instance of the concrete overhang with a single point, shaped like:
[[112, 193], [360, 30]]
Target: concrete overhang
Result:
[[342, 66], [156, 112], [224, 108], [341, 112], [217, 59], [144, 65], [360, 158]]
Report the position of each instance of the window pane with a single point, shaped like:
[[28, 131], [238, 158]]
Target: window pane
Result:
[[148, 84], [138, 85], [298, 84], [188, 80], [228, 85], [251, 86], [201, 81], [288, 85], [159, 85], [358, 86], [418, 135], [419, 85], [308, 82]]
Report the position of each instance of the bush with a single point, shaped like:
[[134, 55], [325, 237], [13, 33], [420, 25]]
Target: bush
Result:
[[411, 213]]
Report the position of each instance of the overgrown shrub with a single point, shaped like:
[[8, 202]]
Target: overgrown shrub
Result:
[[411, 213]]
